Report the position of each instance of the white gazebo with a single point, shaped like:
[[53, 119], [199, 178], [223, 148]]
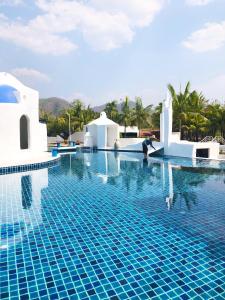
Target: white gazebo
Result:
[[101, 133]]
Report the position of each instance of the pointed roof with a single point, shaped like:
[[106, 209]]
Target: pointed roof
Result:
[[103, 120]]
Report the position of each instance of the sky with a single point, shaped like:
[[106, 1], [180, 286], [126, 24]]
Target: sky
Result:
[[101, 50]]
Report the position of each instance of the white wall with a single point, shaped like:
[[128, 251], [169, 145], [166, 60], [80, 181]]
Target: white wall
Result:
[[129, 129], [182, 150], [78, 136], [10, 114], [101, 136], [135, 144], [214, 149], [125, 142], [93, 131], [54, 139], [175, 137], [188, 149], [112, 135]]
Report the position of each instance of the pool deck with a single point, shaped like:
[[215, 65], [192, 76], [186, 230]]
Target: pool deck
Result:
[[26, 158]]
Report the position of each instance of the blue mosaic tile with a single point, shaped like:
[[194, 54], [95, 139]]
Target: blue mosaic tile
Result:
[[109, 226], [28, 167]]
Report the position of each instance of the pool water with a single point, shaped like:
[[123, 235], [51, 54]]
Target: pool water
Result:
[[112, 226]]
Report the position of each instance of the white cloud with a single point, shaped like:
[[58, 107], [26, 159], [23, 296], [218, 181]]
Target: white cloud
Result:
[[210, 37], [10, 2], [104, 24], [139, 12], [31, 74], [31, 37], [198, 2]]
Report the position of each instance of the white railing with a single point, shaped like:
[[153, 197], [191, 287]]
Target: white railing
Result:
[[217, 139], [207, 139]]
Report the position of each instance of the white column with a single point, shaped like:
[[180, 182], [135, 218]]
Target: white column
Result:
[[162, 127], [167, 123]]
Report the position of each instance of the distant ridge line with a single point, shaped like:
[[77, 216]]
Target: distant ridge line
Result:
[[56, 105]]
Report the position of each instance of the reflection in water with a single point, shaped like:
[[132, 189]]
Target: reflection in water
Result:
[[150, 187], [26, 190], [20, 200], [112, 168], [180, 183], [165, 177], [178, 186], [163, 189], [104, 165]]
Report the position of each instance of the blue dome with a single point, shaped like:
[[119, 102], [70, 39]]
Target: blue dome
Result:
[[8, 94]]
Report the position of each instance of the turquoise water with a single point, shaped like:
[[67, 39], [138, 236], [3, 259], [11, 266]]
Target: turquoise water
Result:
[[107, 226]]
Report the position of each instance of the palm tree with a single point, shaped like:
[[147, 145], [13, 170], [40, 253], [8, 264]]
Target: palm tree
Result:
[[196, 102], [198, 123], [213, 114], [216, 116], [126, 114], [180, 103], [80, 115], [222, 121], [155, 117], [88, 115], [141, 115], [112, 111]]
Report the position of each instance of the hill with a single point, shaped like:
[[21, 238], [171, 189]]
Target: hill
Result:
[[100, 108], [53, 105]]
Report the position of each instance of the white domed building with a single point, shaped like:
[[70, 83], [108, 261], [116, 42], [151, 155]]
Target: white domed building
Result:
[[22, 136]]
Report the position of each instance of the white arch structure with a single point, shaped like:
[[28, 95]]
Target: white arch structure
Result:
[[18, 101]]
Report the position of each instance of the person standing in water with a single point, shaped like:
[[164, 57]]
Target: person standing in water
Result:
[[145, 144]]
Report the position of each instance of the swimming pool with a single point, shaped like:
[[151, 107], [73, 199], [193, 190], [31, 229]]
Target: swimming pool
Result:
[[110, 226]]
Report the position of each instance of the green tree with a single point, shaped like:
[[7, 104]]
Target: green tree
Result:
[[198, 124], [126, 114], [215, 113], [141, 115], [156, 116], [180, 103], [80, 115], [112, 111]]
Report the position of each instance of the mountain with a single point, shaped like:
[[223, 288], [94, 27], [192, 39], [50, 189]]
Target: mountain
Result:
[[100, 108], [53, 105]]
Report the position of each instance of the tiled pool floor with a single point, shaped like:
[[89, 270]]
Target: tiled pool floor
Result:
[[100, 226]]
